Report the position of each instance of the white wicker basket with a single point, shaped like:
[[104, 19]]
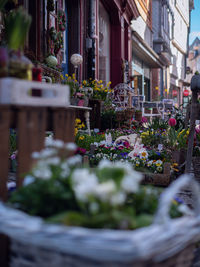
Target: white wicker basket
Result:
[[35, 243]]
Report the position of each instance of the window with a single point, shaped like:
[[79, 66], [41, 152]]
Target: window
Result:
[[104, 45]]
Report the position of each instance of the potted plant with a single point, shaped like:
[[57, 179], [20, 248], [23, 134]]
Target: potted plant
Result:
[[98, 207], [17, 24]]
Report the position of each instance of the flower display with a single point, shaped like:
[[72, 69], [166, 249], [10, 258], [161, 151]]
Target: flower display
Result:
[[100, 91], [108, 196], [62, 21]]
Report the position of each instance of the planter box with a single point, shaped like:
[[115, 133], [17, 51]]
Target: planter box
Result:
[[20, 92], [165, 243], [160, 179]]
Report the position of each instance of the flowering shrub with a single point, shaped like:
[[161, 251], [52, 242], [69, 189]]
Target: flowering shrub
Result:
[[79, 126], [72, 82], [153, 138], [100, 91], [109, 196]]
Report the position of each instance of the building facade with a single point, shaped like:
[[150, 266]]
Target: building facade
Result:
[[140, 42], [179, 47], [149, 49]]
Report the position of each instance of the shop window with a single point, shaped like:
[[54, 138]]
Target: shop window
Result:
[[104, 44]]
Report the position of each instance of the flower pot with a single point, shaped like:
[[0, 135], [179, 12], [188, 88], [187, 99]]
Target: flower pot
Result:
[[20, 66]]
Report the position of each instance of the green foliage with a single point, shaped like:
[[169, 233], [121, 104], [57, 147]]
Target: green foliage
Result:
[[83, 140], [180, 118], [155, 155], [45, 197], [17, 25], [153, 138], [157, 124]]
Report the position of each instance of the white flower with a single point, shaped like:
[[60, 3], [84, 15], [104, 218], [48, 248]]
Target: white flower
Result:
[[42, 172], [96, 144], [130, 182], [150, 163], [159, 168], [58, 143], [65, 170], [49, 141], [85, 183], [72, 161], [11, 185], [47, 152], [105, 164], [160, 147], [36, 155], [143, 153], [71, 146], [53, 161], [158, 163], [29, 179], [103, 142], [105, 190], [118, 198]]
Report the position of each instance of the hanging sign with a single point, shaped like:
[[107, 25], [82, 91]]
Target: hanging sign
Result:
[[174, 93], [186, 92]]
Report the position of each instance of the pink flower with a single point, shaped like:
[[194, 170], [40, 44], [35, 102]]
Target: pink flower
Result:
[[172, 122], [144, 120]]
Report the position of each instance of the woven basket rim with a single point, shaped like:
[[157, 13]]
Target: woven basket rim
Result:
[[157, 242]]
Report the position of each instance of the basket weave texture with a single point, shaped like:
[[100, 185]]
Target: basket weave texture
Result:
[[167, 242], [196, 167]]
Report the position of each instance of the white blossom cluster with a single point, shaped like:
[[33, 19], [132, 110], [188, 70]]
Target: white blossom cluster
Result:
[[48, 157], [87, 185]]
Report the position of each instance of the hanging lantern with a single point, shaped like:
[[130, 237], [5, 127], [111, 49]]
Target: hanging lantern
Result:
[[186, 93]]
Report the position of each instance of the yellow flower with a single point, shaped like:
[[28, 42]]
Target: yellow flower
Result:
[[174, 202], [78, 121], [100, 81], [106, 90], [81, 137], [75, 131], [83, 125], [61, 76], [84, 82], [66, 75], [101, 86], [74, 76]]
